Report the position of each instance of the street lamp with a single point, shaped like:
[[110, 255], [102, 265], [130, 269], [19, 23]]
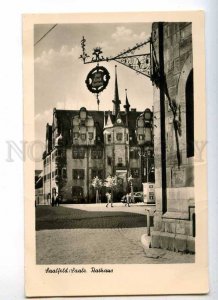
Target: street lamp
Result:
[[146, 156], [130, 180]]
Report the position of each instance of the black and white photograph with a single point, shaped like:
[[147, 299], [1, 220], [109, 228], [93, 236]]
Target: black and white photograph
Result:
[[116, 154], [114, 107]]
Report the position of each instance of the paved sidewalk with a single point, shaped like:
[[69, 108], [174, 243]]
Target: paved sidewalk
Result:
[[100, 246]]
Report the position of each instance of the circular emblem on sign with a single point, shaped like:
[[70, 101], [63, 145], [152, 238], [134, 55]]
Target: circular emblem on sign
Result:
[[97, 79]]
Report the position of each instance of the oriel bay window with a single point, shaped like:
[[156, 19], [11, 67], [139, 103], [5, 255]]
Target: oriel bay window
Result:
[[78, 152], [78, 174]]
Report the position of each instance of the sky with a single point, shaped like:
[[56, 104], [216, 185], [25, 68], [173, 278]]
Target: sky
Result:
[[59, 74]]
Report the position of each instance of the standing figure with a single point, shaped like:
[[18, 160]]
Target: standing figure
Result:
[[54, 196], [57, 200], [109, 199]]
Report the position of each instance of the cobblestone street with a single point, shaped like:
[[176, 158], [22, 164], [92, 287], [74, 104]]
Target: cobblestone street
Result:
[[99, 246], [119, 243]]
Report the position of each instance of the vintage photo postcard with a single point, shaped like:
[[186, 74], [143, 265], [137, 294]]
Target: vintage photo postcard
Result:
[[115, 169]]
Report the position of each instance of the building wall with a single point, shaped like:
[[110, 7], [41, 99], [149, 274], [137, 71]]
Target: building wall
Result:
[[47, 178], [173, 228]]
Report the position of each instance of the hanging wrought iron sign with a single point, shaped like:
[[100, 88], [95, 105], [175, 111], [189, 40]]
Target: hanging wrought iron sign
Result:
[[97, 79], [141, 63]]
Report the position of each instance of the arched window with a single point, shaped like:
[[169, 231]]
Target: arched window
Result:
[[189, 95]]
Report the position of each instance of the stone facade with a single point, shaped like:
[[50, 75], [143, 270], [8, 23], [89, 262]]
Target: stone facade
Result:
[[174, 220]]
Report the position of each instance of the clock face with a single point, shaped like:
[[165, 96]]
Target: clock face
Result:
[[118, 121]]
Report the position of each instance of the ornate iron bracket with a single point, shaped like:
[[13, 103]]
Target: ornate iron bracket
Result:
[[144, 64]]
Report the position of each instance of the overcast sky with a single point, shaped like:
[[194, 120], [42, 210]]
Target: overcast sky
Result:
[[60, 75]]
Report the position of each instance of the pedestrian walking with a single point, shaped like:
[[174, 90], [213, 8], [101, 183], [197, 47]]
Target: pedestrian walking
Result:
[[128, 197], [109, 199]]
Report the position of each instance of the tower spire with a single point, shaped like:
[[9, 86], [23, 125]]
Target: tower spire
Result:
[[116, 101], [127, 105]]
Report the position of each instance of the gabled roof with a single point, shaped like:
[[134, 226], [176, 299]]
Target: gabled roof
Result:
[[64, 122]]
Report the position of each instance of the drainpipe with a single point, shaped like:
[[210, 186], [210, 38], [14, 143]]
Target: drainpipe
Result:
[[162, 117]]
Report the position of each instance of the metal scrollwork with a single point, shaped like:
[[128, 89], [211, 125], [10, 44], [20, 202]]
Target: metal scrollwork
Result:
[[141, 63]]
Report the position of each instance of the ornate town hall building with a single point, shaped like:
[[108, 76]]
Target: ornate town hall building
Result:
[[82, 144]]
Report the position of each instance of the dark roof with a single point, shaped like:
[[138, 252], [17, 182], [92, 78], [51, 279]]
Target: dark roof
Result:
[[64, 123]]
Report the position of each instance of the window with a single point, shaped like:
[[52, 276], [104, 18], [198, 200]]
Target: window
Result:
[[141, 137], [78, 174], [59, 153], [120, 162], [109, 161], [78, 152], [90, 135], [109, 137], [134, 154], [135, 173], [76, 135], [83, 136], [97, 172], [58, 172], [97, 153], [53, 174], [64, 173], [119, 136]]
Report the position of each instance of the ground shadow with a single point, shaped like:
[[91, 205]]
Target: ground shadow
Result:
[[48, 217]]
